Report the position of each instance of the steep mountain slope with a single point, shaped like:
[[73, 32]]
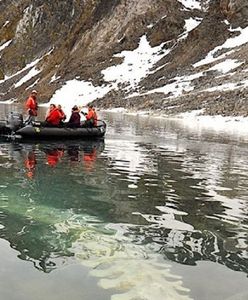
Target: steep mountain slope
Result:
[[165, 55]]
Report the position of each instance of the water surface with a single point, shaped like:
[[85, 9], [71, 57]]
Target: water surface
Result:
[[157, 210]]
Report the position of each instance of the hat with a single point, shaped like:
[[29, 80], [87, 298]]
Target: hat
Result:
[[34, 92]]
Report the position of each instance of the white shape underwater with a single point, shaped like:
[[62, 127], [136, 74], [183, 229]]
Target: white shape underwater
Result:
[[130, 271]]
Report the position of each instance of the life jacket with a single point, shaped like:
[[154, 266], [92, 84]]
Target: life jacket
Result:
[[90, 118], [54, 117], [32, 106]]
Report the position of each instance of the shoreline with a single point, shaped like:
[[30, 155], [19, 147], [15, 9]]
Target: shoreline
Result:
[[192, 119], [195, 119]]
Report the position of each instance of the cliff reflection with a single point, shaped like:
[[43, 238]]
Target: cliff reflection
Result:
[[36, 194], [180, 199]]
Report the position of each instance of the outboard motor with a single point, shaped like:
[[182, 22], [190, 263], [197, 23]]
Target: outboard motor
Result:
[[14, 121]]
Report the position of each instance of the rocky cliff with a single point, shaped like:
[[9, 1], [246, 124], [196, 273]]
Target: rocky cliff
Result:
[[192, 53]]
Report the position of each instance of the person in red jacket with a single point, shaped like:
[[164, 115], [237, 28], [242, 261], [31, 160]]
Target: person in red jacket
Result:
[[91, 117], [54, 117], [31, 107]]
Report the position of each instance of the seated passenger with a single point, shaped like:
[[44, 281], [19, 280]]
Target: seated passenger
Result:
[[91, 117], [63, 116], [74, 120], [53, 117]]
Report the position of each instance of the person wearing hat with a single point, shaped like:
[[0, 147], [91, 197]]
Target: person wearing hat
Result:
[[31, 107], [74, 120]]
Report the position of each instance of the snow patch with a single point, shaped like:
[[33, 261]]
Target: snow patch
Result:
[[230, 43], [136, 64], [180, 85], [22, 70], [76, 92], [5, 45], [33, 84], [226, 66], [54, 78], [233, 125], [229, 86], [5, 24], [191, 24], [191, 4], [33, 72], [30, 65]]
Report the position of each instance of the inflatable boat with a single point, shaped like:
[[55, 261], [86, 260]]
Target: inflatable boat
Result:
[[15, 127]]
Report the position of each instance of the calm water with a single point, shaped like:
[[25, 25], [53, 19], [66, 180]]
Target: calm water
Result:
[[157, 211]]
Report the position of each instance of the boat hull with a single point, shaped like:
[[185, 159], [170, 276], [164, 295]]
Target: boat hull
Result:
[[61, 132]]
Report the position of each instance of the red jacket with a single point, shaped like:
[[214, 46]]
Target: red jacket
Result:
[[90, 115], [32, 106], [54, 117]]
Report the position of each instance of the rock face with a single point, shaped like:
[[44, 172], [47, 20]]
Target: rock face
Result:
[[56, 41], [236, 11]]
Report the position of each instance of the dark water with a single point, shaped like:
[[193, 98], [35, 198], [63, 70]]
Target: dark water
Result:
[[156, 211]]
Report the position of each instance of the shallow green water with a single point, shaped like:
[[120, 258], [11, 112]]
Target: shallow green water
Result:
[[156, 211]]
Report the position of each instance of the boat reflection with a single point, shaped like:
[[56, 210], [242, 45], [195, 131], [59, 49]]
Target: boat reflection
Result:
[[84, 152], [32, 204], [53, 156], [30, 163]]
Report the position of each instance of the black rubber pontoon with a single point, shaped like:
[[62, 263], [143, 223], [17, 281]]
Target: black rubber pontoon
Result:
[[15, 127], [33, 131], [30, 131]]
